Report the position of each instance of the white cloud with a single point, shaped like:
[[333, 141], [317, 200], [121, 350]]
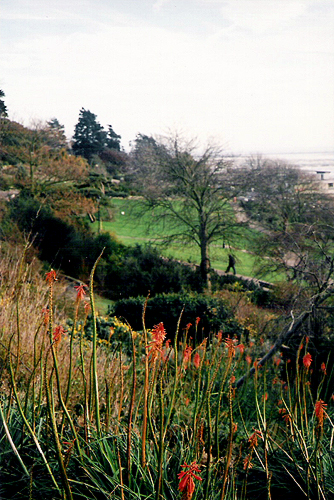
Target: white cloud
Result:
[[257, 84], [262, 15]]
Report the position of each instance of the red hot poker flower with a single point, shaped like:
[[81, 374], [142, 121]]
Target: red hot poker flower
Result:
[[323, 368], [46, 314], [241, 348], [230, 344], [197, 320], [51, 276], [197, 359], [187, 355], [307, 360], [81, 292], [247, 463], [253, 438], [57, 333], [187, 485], [320, 412], [285, 415], [158, 337]]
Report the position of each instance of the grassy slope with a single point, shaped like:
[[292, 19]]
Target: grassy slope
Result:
[[131, 230]]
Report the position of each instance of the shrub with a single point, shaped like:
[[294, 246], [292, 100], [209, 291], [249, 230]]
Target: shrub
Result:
[[259, 296], [141, 270], [213, 313], [59, 243]]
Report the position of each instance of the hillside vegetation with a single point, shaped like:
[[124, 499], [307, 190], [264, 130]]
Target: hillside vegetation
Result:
[[194, 384]]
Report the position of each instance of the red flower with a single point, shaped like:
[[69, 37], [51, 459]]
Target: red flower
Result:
[[248, 359], [187, 355], [230, 344], [57, 333], [80, 292], [323, 368], [307, 360], [46, 314], [247, 462], [187, 484], [253, 438], [51, 276], [277, 361], [197, 320], [197, 360], [241, 348], [320, 412], [285, 415], [158, 337]]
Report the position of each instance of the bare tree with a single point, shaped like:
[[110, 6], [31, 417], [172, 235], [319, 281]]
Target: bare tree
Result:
[[187, 190]]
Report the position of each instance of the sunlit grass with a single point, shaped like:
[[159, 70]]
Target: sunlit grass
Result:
[[132, 230]]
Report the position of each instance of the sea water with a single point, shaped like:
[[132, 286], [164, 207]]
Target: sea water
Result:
[[312, 162]]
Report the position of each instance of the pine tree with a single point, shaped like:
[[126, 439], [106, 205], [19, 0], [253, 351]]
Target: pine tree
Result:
[[3, 107], [89, 137], [113, 140]]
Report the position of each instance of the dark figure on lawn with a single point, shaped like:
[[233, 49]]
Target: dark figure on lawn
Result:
[[231, 264]]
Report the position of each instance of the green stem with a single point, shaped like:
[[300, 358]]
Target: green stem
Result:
[[146, 388], [94, 367], [172, 402], [132, 402], [30, 430], [11, 442], [59, 455], [56, 367], [219, 404], [161, 441]]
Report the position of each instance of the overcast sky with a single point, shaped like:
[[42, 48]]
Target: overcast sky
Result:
[[254, 75]]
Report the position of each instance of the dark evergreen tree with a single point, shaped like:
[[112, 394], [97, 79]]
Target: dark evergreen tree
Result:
[[56, 137], [113, 139], [89, 137], [3, 107]]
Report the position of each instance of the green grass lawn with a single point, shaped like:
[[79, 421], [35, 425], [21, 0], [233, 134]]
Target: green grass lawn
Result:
[[132, 230]]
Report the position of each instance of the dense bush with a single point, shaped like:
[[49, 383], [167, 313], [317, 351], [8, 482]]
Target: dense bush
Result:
[[60, 244], [259, 296], [167, 308], [141, 270]]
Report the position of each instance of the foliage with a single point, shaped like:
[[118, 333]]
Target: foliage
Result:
[[141, 269], [188, 191], [90, 138], [40, 159], [3, 107], [59, 243], [56, 135], [212, 312], [296, 217], [279, 195], [89, 419]]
